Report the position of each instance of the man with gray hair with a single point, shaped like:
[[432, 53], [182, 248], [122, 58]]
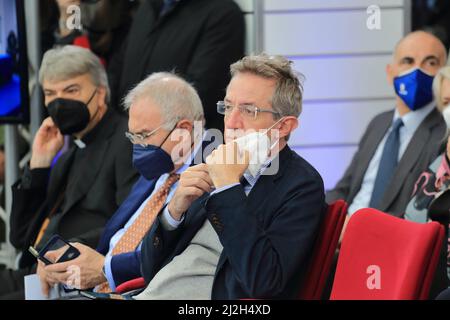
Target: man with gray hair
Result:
[[246, 225], [73, 194], [163, 111]]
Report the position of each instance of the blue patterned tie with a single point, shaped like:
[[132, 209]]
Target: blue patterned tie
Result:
[[388, 163]]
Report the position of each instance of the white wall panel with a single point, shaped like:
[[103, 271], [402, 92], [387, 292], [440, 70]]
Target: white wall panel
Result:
[[329, 162], [249, 34], [358, 77], [336, 123], [334, 32]]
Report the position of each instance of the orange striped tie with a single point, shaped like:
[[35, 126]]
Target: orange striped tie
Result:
[[131, 239]]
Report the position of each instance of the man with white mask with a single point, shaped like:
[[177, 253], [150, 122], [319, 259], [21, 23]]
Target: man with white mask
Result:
[[245, 232], [398, 145]]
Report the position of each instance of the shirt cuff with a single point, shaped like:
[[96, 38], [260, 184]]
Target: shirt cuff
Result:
[[224, 188], [108, 273], [168, 222]]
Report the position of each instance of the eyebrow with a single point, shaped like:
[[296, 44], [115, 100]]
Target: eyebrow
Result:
[[431, 57], [241, 104], [72, 86]]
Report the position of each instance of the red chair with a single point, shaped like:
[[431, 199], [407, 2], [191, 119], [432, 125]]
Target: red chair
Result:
[[131, 285], [383, 257], [324, 250]]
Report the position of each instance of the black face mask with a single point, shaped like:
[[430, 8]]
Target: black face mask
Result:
[[70, 116]]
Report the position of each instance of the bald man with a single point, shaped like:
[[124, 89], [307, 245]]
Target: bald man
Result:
[[398, 145]]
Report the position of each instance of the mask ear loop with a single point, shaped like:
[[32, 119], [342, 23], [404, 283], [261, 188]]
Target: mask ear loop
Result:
[[89, 101], [270, 128]]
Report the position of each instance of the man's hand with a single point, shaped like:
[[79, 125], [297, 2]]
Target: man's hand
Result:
[[226, 164], [47, 143], [87, 268], [45, 283], [194, 182]]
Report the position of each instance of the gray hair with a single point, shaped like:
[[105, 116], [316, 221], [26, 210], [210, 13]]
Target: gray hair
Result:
[[443, 73], [69, 61], [288, 95], [176, 98]]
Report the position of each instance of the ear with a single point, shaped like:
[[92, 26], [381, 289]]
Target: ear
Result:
[[287, 126], [390, 74], [101, 96], [185, 125]]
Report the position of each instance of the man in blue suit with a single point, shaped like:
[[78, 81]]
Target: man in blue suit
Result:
[[162, 112], [252, 236]]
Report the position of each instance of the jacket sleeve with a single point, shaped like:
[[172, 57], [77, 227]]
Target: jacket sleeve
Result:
[[29, 195], [157, 245], [265, 256], [126, 266]]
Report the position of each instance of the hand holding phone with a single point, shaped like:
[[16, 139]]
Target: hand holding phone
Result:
[[56, 250]]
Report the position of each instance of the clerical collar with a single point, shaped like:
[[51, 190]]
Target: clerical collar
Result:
[[80, 144], [95, 131]]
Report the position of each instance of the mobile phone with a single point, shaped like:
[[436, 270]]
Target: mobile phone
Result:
[[57, 243], [36, 254], [103, 296]]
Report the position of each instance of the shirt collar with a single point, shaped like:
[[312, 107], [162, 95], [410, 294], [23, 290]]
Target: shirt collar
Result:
[[413, 119], [253, 179]]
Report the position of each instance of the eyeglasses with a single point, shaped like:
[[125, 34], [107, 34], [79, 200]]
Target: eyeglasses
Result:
[[139, 138], [248, 111]]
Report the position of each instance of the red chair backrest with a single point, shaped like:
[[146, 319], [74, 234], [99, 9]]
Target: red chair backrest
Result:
[[324, 250], [385, 257], [130, 285]]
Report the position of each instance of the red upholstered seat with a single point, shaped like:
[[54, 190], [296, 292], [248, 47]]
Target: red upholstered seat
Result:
[[385, 257]]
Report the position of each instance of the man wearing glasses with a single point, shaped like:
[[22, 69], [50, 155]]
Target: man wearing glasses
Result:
[[163, 110], [244, 231]]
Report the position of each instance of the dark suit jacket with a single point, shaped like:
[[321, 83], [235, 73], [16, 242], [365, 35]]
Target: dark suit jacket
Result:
[[422, 149], [267, 237], [127, 266], [199, 39], [106, 178]]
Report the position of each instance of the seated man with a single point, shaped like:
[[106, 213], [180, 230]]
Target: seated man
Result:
[[398, 145], [78, 194], [253, 235], [163, 110]]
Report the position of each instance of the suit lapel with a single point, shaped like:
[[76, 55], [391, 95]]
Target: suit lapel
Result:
[[59, 175], [141, 191], [412, 154], [367, 151], [96, 151], [260, 191]]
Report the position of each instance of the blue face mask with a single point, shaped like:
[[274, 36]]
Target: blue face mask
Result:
[[152, 161], [414, 88]]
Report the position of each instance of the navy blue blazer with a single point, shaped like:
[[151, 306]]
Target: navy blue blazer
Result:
[[267, 236]]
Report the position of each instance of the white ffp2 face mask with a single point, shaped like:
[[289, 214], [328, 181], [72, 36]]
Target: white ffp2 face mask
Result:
[[257, 144], [446, 115]]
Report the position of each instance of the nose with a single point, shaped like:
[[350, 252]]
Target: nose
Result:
[[233, 120]]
